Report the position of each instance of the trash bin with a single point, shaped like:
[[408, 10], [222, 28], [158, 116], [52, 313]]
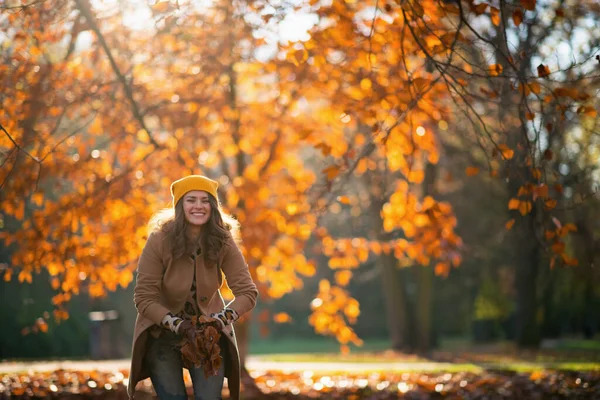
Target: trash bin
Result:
[[104, 336]]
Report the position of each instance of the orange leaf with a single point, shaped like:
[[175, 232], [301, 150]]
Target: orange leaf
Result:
[[571, 261], [282, 318], [525, 207], [495, 69], [332, 171], [442, 269], [300, 56], [517, 16], [550, 204], [506, 151], [588, 111], [528, 4], [472, 171], [42, 325], [543, 70], [416, 176], [37, 199], [344, 199], [513, 204], [342, 278], [558, 247], [495, 15], [566, 229], [509, 224], [549, 234], [161, 7], [479, 9], [540, 191]]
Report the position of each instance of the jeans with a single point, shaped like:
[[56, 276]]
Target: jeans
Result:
[[164, 363]]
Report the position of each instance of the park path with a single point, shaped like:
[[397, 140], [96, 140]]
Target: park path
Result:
[[252, 363]]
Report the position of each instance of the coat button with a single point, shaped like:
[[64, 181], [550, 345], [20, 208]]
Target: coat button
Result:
[[231, 334], [203, 298]]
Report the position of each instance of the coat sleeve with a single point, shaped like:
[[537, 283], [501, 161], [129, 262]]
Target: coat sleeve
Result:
[[150, 270], [239, 280]]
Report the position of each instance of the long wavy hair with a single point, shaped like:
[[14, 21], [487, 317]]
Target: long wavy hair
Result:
[[219, 228]]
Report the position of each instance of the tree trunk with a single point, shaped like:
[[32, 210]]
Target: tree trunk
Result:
[[527, 264], [394, 290], [394, 294], [423, 306]]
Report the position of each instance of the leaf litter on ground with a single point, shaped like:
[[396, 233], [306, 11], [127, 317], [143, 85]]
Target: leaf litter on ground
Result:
[[544, 384]]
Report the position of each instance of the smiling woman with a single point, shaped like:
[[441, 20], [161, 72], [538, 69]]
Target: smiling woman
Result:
[[177, 285]]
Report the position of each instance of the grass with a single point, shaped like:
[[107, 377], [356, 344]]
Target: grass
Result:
[[573, 355], [315, 346]]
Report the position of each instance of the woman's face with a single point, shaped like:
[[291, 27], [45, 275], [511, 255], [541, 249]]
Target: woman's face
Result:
[[196, 207]]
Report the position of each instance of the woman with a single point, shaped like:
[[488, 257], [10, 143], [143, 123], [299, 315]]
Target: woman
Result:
[[178, 277]]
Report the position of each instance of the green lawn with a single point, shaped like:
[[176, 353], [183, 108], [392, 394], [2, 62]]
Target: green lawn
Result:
[[325, 345], [455, 355]]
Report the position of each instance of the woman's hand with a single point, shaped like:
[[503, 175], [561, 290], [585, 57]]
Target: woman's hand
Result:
[[226, 316]]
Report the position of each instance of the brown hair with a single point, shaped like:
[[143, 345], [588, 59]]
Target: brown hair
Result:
[[219, 229]]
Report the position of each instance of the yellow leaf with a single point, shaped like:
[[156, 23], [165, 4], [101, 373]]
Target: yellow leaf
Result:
[[342, 278], [416, 176], [161, 7], [125, 278], [352, 309], [365, 84]]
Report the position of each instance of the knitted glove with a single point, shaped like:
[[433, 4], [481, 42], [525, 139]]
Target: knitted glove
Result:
[[226, 316]]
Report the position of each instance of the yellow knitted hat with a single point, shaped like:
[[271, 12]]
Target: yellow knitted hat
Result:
[[193, 182]]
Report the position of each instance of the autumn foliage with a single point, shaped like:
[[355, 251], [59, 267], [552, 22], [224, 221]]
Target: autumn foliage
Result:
[[99, 115]]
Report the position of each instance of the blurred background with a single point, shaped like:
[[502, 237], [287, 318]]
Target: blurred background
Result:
[[409, 175]]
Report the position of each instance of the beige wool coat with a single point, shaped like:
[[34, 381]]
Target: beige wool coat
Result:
[[162, 286]]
